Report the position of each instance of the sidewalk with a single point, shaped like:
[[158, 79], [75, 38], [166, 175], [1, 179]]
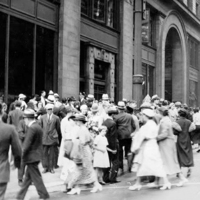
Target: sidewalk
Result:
[[52, 182]]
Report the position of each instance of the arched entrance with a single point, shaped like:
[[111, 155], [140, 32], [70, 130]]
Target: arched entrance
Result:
[[172, 60], [173, 66]]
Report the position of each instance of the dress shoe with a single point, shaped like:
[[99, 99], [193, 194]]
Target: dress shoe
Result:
[[96, 189], [44, 171], [115, 181], [75, 191], [52, 171], [67, 190], [188, 172], [166, 186], [102, 182], [135, 187], [182, 182]]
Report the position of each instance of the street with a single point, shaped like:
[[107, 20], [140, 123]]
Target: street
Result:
[[118, 191]]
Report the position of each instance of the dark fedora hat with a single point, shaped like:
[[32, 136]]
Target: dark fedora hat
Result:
[[80, 117]]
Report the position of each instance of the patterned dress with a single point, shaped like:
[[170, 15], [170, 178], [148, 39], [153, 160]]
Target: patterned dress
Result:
[[86, 173]]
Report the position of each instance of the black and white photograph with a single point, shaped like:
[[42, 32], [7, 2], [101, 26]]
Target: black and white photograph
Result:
[[99, 99]]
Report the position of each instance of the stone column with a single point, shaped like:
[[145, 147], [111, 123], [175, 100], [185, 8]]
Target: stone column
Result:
[[125, 68], [111, 77], [69, 48]]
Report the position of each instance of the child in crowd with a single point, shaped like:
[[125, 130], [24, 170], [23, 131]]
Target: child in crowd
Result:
[[101, 159]]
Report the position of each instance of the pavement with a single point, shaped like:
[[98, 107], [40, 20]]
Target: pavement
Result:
[[119, 191]]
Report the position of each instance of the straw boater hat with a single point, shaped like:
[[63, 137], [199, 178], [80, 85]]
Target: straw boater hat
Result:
[[105, 97], [80, 117], [90, 97], [56, 95], [29, 113], [112, 110], [121, 105], [50, 99], [95, 107], [22, 96]]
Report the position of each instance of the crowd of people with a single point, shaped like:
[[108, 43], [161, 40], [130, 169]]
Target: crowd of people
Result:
[[91, 139]]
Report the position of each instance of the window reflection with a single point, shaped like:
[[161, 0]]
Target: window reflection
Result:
[[84, 7], [44, 59], [99, 10], [2, 50], [20, 57], [110, 13]]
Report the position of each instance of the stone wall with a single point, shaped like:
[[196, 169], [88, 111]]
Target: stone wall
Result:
[[69, 48], [125, 68]]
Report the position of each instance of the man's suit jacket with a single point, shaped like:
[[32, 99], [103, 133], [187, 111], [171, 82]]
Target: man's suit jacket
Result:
[[51, 129], [14, 117], [8, 136], [32, 145], [111, 133], [125, 125]]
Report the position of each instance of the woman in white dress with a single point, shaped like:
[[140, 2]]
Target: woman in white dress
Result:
[[147, 152]]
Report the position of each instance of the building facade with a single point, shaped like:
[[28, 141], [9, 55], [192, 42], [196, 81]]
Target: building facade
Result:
[[71, 46]]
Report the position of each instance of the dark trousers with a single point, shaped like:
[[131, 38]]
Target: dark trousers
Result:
[[110, 174], [3, 187], [33, 175], [126, 143], [49, 156], [21, 171]]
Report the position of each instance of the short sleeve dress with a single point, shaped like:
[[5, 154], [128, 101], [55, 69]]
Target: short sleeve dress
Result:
[[101, 160]]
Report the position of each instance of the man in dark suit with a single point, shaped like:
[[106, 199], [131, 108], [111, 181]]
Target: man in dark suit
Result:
[[15, 115], [110, 174], [50, 124], [125, 126], [8, 137], [31, 155]]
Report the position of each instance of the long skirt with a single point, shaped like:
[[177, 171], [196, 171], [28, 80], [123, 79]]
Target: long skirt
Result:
[[87, 174]]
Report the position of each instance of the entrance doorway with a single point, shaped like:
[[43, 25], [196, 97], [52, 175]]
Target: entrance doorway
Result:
[[100, 78], [173, 67]]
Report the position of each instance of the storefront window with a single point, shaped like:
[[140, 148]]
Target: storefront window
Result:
[[20, 57], [3, 20], [44, 59]]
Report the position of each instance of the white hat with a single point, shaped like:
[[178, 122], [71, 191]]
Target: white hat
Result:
[[90, 96], [56, 95], [121, 105], [148, 112], [84, 107], [50, 99], [105, 97], [21, 96], [49, 106], [51, 92]]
